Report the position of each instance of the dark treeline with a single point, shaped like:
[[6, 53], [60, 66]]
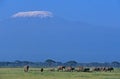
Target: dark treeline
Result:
[[52, 63]]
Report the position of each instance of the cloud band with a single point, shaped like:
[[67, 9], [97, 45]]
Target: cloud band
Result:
[[41, 14]]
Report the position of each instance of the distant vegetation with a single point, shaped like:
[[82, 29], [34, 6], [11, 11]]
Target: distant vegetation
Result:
[[53, 63]]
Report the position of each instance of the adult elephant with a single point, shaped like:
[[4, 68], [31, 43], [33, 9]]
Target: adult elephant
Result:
[[80, 68], [97, 69], [70, 69], [26, 68], [60, 68], [109, 69], [86, 70]]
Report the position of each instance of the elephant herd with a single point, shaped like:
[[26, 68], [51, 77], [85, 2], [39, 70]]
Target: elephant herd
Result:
[[103, 69], [84, 69], [71, 69], [77, 69]]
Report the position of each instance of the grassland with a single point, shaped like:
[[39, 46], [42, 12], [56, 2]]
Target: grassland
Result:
[[17, 73]]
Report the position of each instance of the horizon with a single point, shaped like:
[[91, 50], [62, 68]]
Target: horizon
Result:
[[42, 61]]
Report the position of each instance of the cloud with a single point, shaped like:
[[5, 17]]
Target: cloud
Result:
[[41, 14]]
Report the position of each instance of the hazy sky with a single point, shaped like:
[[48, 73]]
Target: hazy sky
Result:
[[81, 30]]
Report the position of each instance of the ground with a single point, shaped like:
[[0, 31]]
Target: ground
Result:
[[18, 73]]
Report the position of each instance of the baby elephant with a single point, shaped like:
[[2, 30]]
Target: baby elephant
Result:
[[41, 70]]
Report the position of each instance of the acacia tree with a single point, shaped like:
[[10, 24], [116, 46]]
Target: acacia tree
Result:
[[71, 63], [50, 62], [115, 64]]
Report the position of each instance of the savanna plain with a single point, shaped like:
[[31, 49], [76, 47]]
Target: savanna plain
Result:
[[18, 73]]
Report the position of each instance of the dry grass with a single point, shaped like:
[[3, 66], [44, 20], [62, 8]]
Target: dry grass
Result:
[[17, 73]]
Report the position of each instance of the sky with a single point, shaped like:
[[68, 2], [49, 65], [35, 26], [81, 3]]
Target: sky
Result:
[[63, 30]]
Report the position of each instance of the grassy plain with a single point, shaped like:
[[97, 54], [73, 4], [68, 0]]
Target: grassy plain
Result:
[[17, 73]]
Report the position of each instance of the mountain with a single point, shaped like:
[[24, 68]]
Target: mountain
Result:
[[54, 37]]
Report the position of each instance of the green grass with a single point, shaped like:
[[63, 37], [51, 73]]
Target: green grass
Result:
[[17, 73]]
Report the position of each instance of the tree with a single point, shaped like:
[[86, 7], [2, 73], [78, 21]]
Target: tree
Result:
[[71, 63], [50, 62], [115, 64]]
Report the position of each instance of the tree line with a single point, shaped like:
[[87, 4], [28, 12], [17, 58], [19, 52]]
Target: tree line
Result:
[[53, 63]]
